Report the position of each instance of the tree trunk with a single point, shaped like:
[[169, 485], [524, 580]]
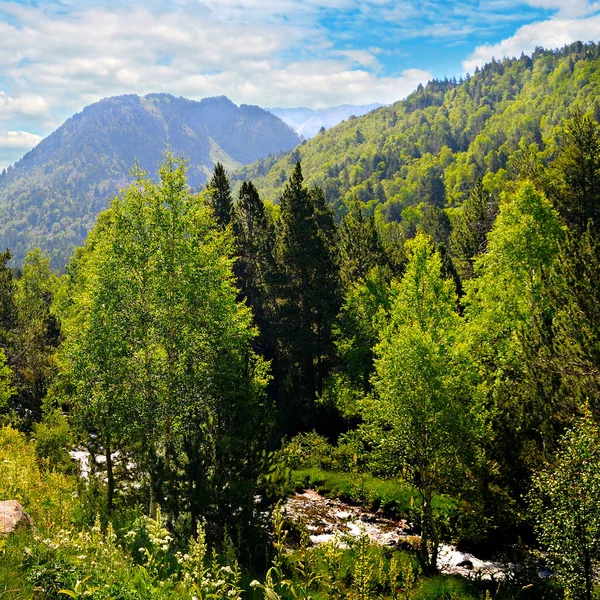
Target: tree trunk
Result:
[[431, 537], [110, 479]]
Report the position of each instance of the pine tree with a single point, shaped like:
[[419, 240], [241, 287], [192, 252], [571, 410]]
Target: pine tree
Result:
[[254, 265], [468, 238], [360, 246], [308, 297], [8, 310], [220, 199], [578, 173]]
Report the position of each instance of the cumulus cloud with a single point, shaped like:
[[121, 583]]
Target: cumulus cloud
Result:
[[552, 33], [26, 105], [20, 140]]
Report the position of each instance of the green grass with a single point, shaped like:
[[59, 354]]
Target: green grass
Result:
[[394, 496]]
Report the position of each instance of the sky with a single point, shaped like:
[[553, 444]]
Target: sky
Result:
[[58, 56]]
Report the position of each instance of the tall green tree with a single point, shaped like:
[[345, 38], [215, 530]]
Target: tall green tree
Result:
[[468, 238], [502, 304], [308, 297], [419, 421], [159, 350], [255, 263], [219, 195], [8, 310], [360, 246], [565, 506], [577, 171], [572, 288], [37, 336]]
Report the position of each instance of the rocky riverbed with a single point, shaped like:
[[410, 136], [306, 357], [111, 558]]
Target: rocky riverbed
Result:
[[326, 518]]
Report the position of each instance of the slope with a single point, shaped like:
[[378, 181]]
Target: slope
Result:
[[53, 194], [435, 145]]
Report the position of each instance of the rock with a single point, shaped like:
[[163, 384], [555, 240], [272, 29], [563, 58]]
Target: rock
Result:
[[13, 516], [465, 564]]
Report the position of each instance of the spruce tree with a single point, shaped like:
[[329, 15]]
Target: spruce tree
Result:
[[577, 172], [308, 298], [360, 246], [468, 238], [220, 199], [254, 265]]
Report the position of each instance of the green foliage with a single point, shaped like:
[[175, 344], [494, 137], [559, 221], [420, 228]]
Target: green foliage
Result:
[[419, 422], [6, 389], [53, 439], [158, 350], [577, 173], [435, 145], [219, 194], [308, 297], [565, 505], [47, 496]]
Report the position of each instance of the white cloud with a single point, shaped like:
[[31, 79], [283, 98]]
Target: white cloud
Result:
[[553, 33], [26, 105], [567, 8], [20, 140]]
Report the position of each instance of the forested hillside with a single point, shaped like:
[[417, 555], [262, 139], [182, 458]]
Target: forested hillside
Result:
[[435, 145], [51, 197]]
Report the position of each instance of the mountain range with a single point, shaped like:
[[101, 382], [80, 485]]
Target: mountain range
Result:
[[51, 197], [424, 153], [307, 122]]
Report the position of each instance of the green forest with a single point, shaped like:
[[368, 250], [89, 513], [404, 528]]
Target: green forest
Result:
[[402, 314]]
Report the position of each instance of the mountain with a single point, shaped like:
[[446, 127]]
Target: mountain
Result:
[[51, 197], [433, 146], [307, 122]]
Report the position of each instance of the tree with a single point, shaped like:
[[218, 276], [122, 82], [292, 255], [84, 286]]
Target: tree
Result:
[[360, 246], [219, 193], [419, 421], [502, 304], [308, 296], [158, 350], [470, 228], [8, 310], [37, 336], [6, 389], [565, 506], [577, 171], [573, 291], [254, 265]]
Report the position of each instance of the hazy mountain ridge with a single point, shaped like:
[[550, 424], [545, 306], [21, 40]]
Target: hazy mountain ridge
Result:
[[307, 122], [51, 197]]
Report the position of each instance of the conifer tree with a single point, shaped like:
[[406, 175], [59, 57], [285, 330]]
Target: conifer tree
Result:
[[220, 198], [578, 173], [468, 238], [8, 310], [254, 265], [308, 297], [360, 245]]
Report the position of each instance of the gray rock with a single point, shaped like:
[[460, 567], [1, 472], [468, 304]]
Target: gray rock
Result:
[[13, 516]]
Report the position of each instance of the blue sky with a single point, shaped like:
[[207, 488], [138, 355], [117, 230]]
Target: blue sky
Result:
[[60, 55]]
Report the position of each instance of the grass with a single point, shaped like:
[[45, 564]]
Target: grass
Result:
[[393, 496]]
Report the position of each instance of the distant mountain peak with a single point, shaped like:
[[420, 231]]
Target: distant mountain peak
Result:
[[51, 197]]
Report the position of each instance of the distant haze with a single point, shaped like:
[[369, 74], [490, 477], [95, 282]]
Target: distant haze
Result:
[[307, 122]]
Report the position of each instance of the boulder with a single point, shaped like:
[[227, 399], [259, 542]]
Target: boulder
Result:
[[13, 516]]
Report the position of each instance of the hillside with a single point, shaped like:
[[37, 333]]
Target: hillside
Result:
[[307, 122], [53, 194], [434, 145]]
